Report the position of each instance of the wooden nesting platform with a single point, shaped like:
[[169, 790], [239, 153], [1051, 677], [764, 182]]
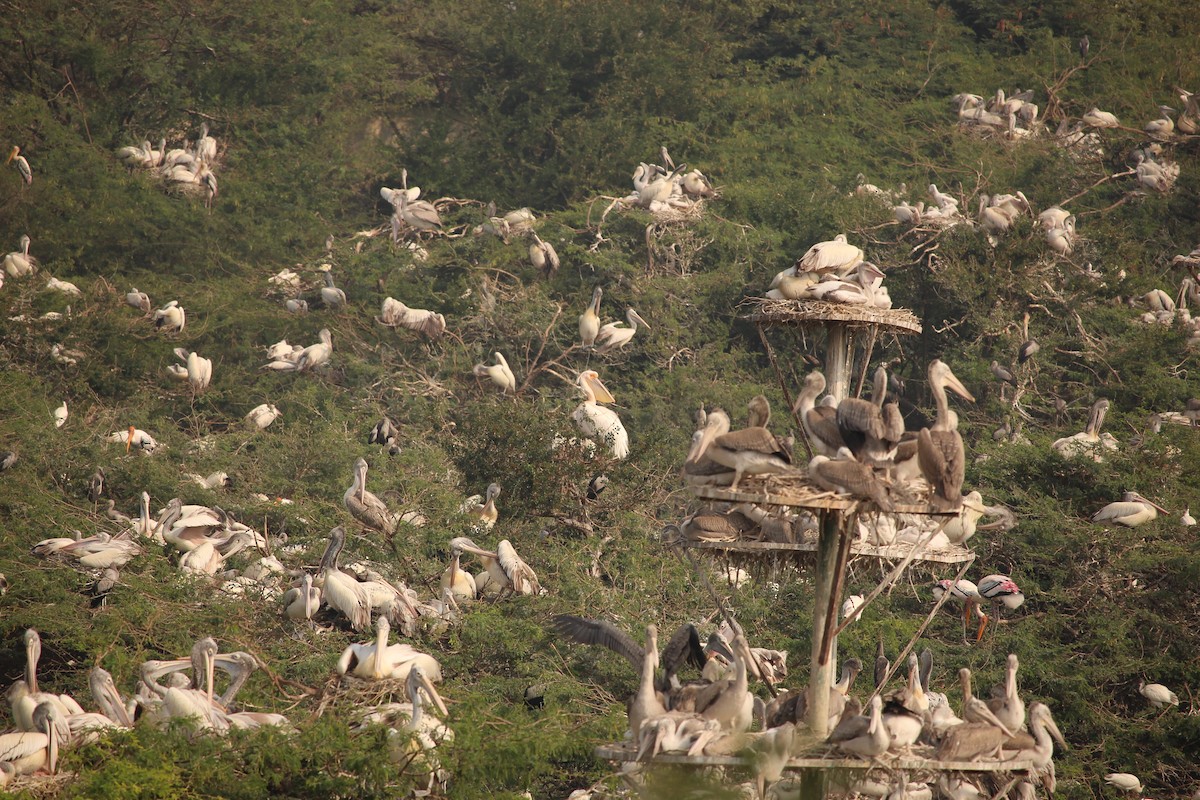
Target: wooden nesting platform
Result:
[[624, 752], [800, 550], [765, 311], [796, 491]]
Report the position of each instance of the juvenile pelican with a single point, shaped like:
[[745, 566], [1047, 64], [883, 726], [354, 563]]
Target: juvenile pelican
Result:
[[499, 373], [66, 287], [340, 591], [594, 420], [301, 602], [333, 297], [19, 263], [940, 449], [589, 320], [14, 156], [614, 335], [820, 422], [1006, 703], [836, 256], [1095, 118], [460, 582], [365, 506], [171, 318], [27, 752], [749, 451], [847, 475], [420, 215], [484, 509], [504, 568], [1132, 510], [864, 736], [60, 415]]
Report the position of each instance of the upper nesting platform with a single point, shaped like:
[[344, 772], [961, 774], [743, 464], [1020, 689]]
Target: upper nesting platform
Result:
[[765, 311]]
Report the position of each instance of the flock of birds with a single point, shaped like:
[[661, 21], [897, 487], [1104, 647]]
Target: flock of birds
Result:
[[187, 170]]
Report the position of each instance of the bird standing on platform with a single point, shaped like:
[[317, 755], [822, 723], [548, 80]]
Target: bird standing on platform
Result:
[[749, 451]]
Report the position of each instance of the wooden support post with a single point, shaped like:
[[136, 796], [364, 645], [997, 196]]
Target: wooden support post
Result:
[[837, 361], [820, 677]]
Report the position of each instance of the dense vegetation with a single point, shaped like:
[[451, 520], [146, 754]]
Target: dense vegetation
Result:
[[548, 104]]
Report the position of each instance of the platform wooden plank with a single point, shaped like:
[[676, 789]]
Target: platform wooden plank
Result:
[[893, 552], [623, 752], [807, 313], [795, 491]]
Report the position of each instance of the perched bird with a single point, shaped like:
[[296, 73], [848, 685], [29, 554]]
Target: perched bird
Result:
[[138, 299], [1084, 45], [1027, 350], [1003, 374], [19, 263], [60, 415], [1132, 510], [1157, 695], [15, 157], [66, 287], [1124, 781], [499, 373], [365, 506], [594, 420], [1187, 520], [749, 451], [262, 415], [615, 335], [835, 256], [589, 320], [385, 433], [333, 297], [543, 256], [999, 590], [397, 315], [171, 318]]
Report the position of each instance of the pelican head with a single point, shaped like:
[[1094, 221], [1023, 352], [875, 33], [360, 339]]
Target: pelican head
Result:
[[1134, 497], [940, 375], [635, 318], [464, 544], [589, 382], [493, 491], [715, 424], [48, 719], [360, 477], [1040, 711], [33, 652], [597, 293], [204, 655], [419, 682]]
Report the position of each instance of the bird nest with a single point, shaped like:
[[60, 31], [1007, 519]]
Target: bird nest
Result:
[[795, 490], [766, 311]]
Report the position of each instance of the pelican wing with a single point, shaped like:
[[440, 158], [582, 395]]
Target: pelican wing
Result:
[[684, 647], [759, 440], [822, 424], [709, 526], [1118, 510], [855, 478], [601, 633], [519, 573]]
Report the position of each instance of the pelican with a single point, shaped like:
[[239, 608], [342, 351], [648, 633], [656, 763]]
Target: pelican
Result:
[[846, 475], [1163, 127], [614, 335], [543, 256], [206, 146], [865, 736], [198, 370], [301, 602], [820, 422], [60, 415], [589, 320], [1006, 704], [261, 416], [1054, 217], [940, 449], [907, 214], [170, 318], [14, 155], [863, 426], [365, 506], [67, 288], [458, 581], [420, 215], [836, 256], [136, 155], [309, 358], [1132, 510], [1089, 441], [753, 451], [333, 297], [19, 263], [594, 420], [94, 552], [417, 683], [377, 660], [729, 701], [696, 184], [504, 568], [499, 373], [484, 509], [27, 752], [999, 590], [1124, 781], [138, 299], [1158, 695], [1095, 118], [397, 315], [1062, 240], [340, 591], [296, 305]]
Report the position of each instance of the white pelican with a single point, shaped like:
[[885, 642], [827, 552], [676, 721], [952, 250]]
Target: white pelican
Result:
[[589, 320], [1131, 510], [296, 305], [1095, 118], [397, 315], [863, 735], [377, 660], [543, 256], [1157, 695], [308, 358], [333, 297], [749, 451], [60, 415], [614, 335], [836, 256], [198, 370], [505, 570], [14, 155], [1163, 127], [458, 581], [136, 155], [1124, 781], [94, 552], [66, 287], [499, 373], [696, 184], [340, 591], [1006, 703], [1089, 442], [483, 509], [365, 506], [262, 415], [27, 752], [19, 263], [594, 420], [138, 299], [1054, 217], [427, 732], [420, 215], [171, 318], [941, 199]]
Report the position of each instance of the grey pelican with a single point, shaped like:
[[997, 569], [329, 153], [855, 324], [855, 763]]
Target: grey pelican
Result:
[[1037, 745], [138, 299], [543, 256], [27, 752], [261, 416], [420, 215], [395, 314], [1090, 441], [499, 373], [749, 451], [340, 591], [836, 256], [24, 694], [365, 506], [940, 450], [793, 707], [19, 263], [614, 335], [864, 736], [594, 420], [868, 428], [427, 731], [1124, 781], [589, 320], [729, 701], [484, 508], [820, 422], [1006, 703], [301, 602], [504, 568], [14, 156], [333, 297], [171, 318], [458, 581], [1132, 510], [845, 474], [1157, 695], [1163, 127]]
